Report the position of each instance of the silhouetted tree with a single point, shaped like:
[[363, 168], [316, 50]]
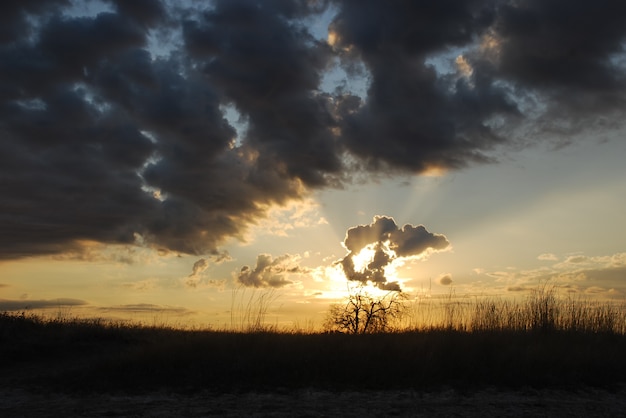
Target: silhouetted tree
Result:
[[363, 313]]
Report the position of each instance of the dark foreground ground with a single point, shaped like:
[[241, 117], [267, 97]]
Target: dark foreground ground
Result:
[[315, 403], [90, 369]]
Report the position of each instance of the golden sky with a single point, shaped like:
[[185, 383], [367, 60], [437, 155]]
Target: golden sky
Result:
[[168, 162]]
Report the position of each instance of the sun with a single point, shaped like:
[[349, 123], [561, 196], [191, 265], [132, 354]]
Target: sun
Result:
[[363, 258]]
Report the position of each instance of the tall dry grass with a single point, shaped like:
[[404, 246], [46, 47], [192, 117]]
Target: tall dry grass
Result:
[[249, 309], [545, 340], [543, 310]]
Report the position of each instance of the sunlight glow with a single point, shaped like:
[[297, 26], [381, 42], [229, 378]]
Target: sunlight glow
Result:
[[434, 171], [285, 218], [490, 47], [337, 282], [464, 67], [363, 258], [332, 38]]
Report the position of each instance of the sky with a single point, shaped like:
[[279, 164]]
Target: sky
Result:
[[174, 160]]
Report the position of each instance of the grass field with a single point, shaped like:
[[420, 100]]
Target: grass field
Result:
[[543, 342]]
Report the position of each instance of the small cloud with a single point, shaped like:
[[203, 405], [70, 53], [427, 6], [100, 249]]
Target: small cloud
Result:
[[547, 257], [445, 279], [193, 280], [198, 267], [501, 275], [270, 272], [382, 242], [576, 259], [516, 289]]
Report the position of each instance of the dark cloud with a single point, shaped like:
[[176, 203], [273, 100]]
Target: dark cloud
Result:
[[18, 305], [14, 22], [104, 139], [75, 44], [390, 286], [148, 12], [538, 67], [412, 119], [562, 44], [567, 56], [100, 141], [388, 243], [270, 272], [270, 68], [360, 236]]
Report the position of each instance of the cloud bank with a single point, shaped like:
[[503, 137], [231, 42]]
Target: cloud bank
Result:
[[113, 130]]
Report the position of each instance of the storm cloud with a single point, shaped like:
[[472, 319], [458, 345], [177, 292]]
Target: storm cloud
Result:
[[113, 126], [387, 242]]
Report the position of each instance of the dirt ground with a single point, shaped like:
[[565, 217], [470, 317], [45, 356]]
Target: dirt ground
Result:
[[312, 403]]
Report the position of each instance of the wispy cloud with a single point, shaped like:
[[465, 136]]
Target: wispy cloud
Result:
[[284, 219], [98, 252], [547, 257], [24, 304], [594, 275], [142, 285], [147, 308]]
